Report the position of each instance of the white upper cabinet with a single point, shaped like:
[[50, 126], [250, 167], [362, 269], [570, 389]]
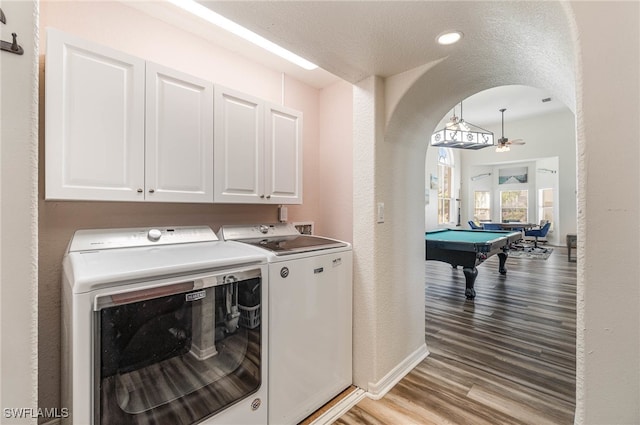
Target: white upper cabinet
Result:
[[283, 155], [238, 148], [119, 128], [179, 136], [122, 129], [94, 133], [258, 151]]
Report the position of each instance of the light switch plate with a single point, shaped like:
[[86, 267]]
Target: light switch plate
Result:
[[380, 212]]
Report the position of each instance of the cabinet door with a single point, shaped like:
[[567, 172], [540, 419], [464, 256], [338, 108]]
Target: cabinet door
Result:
[[179, 136], [283, 155], [238, 148], [94, 125]]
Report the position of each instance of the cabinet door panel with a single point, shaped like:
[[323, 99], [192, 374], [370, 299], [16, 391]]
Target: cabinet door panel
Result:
[[239, 148], [179, 136], [94, 131], [283, 153]]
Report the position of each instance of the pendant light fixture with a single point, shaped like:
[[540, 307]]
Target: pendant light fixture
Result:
[[461, 135]]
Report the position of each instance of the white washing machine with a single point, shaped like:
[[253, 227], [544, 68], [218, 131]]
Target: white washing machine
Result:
[[164, 326], [310, 317]]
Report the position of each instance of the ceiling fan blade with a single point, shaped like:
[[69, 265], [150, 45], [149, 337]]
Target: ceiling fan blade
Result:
[[517, 142]]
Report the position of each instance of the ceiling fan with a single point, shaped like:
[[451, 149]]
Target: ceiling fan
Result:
[[504, 142]]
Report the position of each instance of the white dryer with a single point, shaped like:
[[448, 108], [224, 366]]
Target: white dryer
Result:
[[164, 326], [310, 317]]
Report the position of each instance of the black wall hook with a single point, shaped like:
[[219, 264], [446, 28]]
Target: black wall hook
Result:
[[12, 47]]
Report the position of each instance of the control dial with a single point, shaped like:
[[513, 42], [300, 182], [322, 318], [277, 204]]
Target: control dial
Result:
[[154, 235], [264, 229]]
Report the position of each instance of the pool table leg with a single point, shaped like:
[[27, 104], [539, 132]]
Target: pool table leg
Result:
[[470, 278], [502, 256]]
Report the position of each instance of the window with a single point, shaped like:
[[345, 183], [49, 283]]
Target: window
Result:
[[482, 206], [445, 185], [545, 204], [514, 205]]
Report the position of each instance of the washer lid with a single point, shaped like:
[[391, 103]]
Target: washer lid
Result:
[[89, 270], [279, 238], [297, 244]]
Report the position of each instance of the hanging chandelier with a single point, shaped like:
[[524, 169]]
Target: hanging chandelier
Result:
[[462, 135]]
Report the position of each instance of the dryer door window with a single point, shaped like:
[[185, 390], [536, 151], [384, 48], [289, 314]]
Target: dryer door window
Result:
[[178, 358]]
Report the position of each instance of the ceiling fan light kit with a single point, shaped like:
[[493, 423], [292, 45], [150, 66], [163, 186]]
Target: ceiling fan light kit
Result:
[[462, 135], [503, 142]]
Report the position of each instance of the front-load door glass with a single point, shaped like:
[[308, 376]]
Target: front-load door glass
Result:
[[180, 358]]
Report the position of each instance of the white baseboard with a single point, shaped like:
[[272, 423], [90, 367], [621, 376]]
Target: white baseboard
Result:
[[377, 390]]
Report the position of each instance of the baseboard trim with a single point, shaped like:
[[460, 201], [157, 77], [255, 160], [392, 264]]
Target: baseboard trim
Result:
[[377, 390]]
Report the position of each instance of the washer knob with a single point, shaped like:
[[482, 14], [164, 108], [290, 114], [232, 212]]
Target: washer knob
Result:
[[154, 235], [264, 228]]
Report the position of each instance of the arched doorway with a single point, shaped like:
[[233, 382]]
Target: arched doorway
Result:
[[391, 120]]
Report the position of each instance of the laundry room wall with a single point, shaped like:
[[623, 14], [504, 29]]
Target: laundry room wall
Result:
[[18, 218], [116, 25]]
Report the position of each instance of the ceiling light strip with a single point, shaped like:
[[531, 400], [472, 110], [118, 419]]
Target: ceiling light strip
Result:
[[234, 28]]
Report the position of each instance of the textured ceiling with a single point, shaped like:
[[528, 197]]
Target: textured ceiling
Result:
[[352, 40]]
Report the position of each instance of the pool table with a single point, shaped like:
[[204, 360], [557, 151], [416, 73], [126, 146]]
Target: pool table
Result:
[[469, 248]]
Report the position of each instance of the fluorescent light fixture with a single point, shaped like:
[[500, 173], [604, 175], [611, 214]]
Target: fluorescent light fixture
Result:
[[210, 16], [449, 37]]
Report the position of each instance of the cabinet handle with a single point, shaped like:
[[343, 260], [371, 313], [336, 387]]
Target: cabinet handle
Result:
[[268, 196], [151, 190], [140, 190], [261, 196]]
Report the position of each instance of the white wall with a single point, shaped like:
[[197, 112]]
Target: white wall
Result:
[[18, 212], [608, 39], [546, 136], [536, 180], [388, 315]]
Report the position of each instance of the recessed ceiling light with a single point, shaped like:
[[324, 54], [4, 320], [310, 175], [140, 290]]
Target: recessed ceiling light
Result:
[[449, 37], [234, 28]]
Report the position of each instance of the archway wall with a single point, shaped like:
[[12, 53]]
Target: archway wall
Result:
[[607, 37], [393, 119], [389, 147]]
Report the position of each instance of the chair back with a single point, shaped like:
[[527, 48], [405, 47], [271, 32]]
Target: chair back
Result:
[[492, 226], [473, 225], [545, 229]]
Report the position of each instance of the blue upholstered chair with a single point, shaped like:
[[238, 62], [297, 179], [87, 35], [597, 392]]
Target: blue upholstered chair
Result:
[[538, 233], [473, 225], [492, 226]]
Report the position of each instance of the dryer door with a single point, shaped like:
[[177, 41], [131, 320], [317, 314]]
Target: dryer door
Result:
[[175, 354]]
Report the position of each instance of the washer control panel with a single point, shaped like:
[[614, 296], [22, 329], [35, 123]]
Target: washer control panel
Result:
[[97, 239], [258, 232]]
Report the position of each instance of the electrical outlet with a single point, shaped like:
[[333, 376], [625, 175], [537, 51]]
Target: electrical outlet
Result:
[[283, 214]]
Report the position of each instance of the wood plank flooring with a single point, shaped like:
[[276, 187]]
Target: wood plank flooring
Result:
[[507, 357]]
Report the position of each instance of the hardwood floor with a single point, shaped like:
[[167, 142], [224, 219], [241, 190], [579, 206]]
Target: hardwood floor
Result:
[[507, 357]]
